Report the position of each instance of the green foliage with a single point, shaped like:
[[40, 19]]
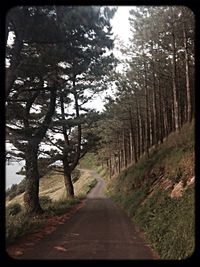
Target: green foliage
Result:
[[92, 184], [45, 201], [60, 207], [88, 186], [75, 175], [19, 225], [21, 187], [13, 209], [169, 224], [89, 161], [43, 166], [16, 189]]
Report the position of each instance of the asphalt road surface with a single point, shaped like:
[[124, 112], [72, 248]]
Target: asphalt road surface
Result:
[[99, 230]]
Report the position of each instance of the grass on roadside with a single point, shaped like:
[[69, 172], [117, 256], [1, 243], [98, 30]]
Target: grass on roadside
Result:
[[20, 223], [53, 201], [144, 192]]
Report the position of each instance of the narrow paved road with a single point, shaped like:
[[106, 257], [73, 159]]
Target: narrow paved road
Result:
[[99, 230]]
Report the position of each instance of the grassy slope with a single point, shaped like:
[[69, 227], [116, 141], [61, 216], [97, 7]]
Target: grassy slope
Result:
[[52, 185], [144, 191], [53, 200]]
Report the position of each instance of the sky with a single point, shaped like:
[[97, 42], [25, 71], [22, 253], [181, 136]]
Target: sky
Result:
[[120, 23], [121, 30]]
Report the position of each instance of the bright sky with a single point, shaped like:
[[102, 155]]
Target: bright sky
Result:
[[121, 29], [120, 23]]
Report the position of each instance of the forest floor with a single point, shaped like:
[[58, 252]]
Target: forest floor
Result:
[[99, 230]]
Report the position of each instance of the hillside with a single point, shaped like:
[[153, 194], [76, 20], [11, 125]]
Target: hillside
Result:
[[53, 200], [158, 194], [52, 186]]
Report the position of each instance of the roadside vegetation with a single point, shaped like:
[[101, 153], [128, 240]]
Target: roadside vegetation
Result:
[[158, 194], [53, 200]]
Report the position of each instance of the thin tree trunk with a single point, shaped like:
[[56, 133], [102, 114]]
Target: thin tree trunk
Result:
[[175, 98], [110, 166], [143, 136], [139, 130], [189, 113], [67, 170], [133, 140], [161, 117], [155, 120], [79, 128], [119, 162], [147, 126], [124, 147]]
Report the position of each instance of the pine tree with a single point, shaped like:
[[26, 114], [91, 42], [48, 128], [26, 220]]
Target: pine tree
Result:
[[32, 89], [86, 68]]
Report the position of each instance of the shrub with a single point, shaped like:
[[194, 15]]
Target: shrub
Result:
[[21, 187], [13, 209], [45, 201], [75, 175], [61, 206], [19, 225]]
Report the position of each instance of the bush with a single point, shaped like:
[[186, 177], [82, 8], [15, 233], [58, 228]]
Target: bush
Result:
[[45, 201], [16, 189], [61, 206], [19, 225], [21, 187], [13, 209], [75, 175], [11, 192]]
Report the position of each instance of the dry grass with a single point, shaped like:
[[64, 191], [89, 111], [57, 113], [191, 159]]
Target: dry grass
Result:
[[52, 185]]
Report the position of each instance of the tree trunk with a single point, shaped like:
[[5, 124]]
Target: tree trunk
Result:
[[189, 113], [147, 123], [110, 166], [155, 119], [175, 97], [124, 148], [31, 195], [119, 162], [162, 125], [139, 129], [68, 179]]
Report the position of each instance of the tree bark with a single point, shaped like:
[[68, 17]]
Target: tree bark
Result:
[[147, 124], [189, 113], [139, 129], [175, 97], [31, 195], [68, 179], [161, 127]]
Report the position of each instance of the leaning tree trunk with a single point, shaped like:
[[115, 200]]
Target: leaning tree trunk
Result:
[[31, 195], [68, 179]]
